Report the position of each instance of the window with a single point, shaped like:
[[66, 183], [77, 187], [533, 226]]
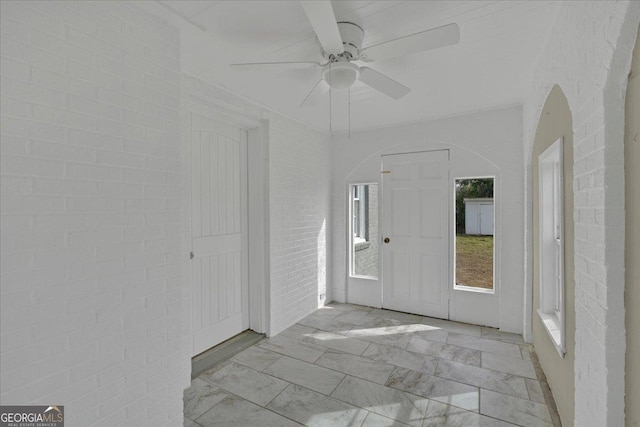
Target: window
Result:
[[364, 230], [474, 234], [551, 243], [360, 213]]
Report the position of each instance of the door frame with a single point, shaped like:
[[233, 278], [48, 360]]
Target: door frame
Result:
[[257, 201]]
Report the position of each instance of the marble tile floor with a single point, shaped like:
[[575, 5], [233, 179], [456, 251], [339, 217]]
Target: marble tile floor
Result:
[[348, 365]]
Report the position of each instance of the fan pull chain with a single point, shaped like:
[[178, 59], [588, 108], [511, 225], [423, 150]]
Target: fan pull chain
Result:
[[330, 101], [349, 113]]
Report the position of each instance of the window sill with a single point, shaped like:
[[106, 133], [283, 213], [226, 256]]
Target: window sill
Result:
[[466, 288], [370, 278], [360, 244], [553, 327]]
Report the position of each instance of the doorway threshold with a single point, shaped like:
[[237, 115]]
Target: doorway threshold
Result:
[[223, 351]]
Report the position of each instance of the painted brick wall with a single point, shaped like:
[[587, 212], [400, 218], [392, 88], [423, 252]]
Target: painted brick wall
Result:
[[90, 288], [299, 190], [588, 56]]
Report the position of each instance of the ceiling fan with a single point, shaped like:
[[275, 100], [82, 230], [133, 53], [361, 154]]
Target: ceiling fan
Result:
[[342, 44]]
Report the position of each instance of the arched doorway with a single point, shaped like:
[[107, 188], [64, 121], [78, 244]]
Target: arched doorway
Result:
[[556, 358]]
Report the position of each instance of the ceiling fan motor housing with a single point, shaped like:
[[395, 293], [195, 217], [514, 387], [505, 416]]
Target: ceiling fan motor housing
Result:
[[340, 73], [352, 37]]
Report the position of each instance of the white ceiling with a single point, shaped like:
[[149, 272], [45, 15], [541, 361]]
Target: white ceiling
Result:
[[500, 42]]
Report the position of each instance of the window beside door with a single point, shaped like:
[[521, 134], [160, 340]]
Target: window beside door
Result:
[[364, 230], [474, 238], [550, 184]]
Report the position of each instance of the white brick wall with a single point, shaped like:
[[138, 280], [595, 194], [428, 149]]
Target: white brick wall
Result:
[[90, 286], [299, 187], [588, 56]]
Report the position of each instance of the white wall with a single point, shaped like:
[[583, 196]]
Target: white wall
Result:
[[299, 186], [484, 143], [90, 287], [588, 56]]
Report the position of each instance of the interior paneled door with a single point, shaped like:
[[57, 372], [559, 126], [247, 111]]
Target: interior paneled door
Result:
[[415, 231], [219, 232]]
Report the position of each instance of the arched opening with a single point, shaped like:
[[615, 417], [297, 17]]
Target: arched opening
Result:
[[632, 243], [474, 303], [553, 315]]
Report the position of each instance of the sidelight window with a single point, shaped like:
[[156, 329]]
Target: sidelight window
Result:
[[363, 213], [474, 238]]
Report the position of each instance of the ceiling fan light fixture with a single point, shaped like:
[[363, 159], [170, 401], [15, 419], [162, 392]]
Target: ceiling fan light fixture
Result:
[[340, 75]]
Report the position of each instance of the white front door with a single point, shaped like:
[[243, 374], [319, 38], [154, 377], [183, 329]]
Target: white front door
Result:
[[219, 232], [415, 220]]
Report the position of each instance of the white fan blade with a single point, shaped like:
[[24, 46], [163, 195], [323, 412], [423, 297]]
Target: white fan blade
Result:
[[384, 84], [277, 65], [425, 40], [323, 21], [314, 96]]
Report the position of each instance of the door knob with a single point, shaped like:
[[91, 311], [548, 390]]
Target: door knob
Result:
[[386, 240]]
